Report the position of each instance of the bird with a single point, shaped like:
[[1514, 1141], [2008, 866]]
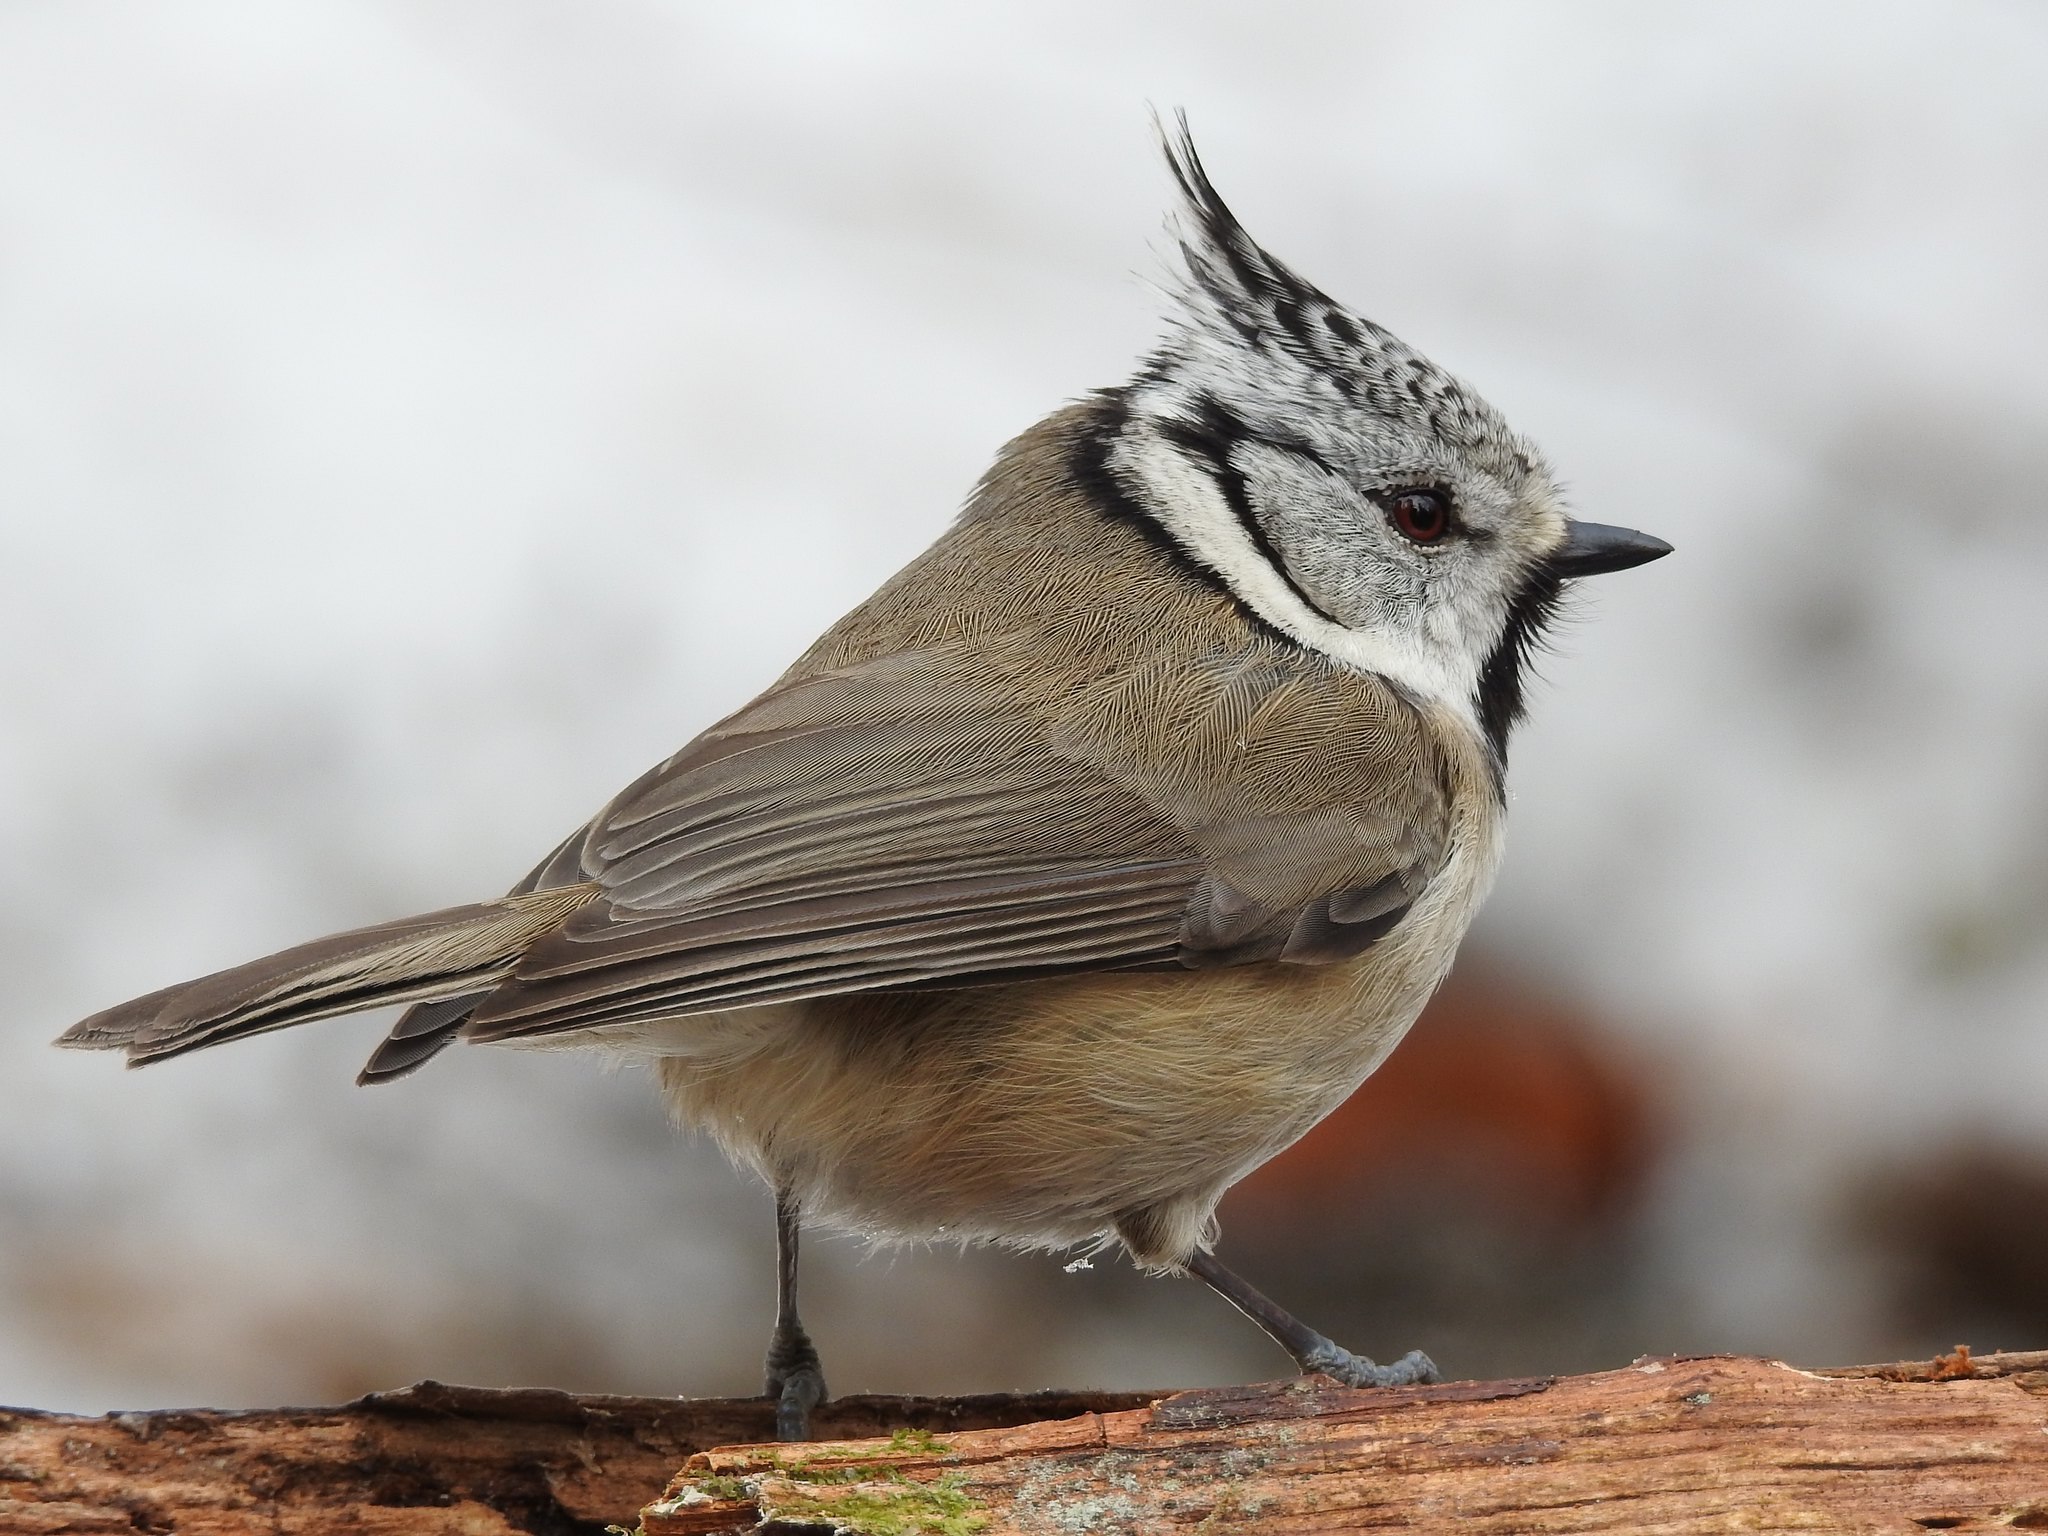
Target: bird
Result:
[[1088, 863]]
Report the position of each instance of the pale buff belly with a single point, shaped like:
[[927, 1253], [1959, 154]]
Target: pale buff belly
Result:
[[1052, 1112]]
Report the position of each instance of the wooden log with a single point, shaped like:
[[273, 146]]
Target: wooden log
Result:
[[431, 1460], [1670, 1446], [1679, 1445]]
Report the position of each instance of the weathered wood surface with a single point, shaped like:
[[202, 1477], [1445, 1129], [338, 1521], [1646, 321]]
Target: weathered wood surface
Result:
[[1675, 1446], [432, 1460]]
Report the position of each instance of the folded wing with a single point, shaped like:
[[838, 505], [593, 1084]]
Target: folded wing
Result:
[[909, 822]]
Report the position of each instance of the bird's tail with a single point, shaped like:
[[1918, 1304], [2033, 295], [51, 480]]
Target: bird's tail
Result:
[[439, 955]]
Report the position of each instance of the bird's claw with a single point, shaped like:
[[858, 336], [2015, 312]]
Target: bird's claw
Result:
[[795, 1396], [1412, 1369]]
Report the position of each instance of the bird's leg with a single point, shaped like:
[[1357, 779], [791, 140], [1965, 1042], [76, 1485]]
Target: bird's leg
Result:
[[795, 1380], [1311, 1351]]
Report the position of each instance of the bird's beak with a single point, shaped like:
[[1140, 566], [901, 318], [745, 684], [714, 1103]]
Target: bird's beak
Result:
[[1591, 549]]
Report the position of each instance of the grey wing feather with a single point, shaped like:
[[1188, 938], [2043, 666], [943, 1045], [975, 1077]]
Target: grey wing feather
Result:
[[897, 827], [595, 974], [1224, 927]]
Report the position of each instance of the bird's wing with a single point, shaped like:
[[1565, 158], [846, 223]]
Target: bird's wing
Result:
[[920, 820]]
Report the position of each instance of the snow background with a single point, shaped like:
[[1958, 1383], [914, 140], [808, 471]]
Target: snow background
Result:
[[419, 416]]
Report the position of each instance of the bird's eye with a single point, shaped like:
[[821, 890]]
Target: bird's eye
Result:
[[1423, 516]]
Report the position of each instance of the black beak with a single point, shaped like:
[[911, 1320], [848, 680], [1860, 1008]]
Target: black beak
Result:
[[1593, 549]]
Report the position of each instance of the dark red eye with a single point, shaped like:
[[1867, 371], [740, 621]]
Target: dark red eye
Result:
[[1424, 516]]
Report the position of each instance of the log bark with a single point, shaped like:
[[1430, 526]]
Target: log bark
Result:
[[1666, 1445], [432, 1460]]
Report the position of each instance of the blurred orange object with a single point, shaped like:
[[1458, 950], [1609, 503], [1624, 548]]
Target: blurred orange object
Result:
[[1506, 1098]]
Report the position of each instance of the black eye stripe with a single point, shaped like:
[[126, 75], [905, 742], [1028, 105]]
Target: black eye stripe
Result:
[[1210, 440]]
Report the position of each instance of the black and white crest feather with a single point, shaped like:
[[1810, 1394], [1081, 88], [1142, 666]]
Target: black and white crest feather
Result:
[[1235, 285], [1267, 436]]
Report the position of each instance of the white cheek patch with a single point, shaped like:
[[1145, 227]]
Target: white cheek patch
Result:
[[1186, 501]]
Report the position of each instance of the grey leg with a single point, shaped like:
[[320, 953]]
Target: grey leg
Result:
[[795, 1380], [1311, 1351]]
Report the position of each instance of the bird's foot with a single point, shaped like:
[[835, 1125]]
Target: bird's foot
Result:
[[1412, 1369], [795, 1396], [796, 1382]]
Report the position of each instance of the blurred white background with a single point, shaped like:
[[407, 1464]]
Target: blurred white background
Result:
[[419, 416]]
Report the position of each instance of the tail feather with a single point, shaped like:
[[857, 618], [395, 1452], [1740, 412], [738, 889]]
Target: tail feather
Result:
[[441, 955], [424, 1030]]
